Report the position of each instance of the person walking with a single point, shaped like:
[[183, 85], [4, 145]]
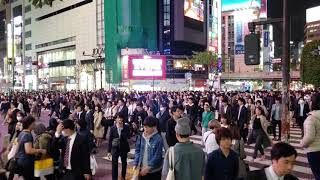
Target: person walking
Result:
[[209, 138], [301, 113], [242, 119], [223, 163], [311, 139], [207, 116], [119, 146], [26, 152], [275, 116], [258, 133], [176, 113], [189, 159], [148, 155], [98, 129]]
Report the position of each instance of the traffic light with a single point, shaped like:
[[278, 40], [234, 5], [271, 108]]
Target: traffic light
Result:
[[252, 49]]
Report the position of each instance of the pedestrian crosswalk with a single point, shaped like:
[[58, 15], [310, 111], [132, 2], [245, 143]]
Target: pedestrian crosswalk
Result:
[[301, 168]]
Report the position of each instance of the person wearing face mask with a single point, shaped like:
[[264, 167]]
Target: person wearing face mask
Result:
[[75, 155], [301, 113], [13, 146], [163, 116], [119, 147]]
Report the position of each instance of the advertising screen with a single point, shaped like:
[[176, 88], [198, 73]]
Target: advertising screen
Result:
[[313, 14], [194, 9], [147, 67], [228, 5]]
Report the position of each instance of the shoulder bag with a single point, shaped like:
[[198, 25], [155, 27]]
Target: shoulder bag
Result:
[[170, 175]]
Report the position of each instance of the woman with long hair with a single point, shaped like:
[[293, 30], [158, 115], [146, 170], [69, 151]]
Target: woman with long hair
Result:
[[258, 127], [98, 130]]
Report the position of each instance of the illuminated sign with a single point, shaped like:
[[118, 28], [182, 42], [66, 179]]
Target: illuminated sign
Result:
[[147, 67], [228, 5], [313, 14], [194, 9]]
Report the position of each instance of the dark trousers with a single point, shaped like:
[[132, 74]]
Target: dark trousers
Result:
[[314, 162], [300, 121], [193, 124], [115, 158], [152, 176], [47, 177], [258, 136], [243, 132], [71, 175], [276, 123]]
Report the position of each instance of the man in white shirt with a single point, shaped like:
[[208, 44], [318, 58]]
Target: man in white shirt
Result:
[[283, 157]]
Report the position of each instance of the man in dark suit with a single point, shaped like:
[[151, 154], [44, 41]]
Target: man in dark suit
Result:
[[79, 115], [227, 111], [75, 155], [119, 146], [65, 111], [242, 118], [283, 157], [301, 113], [89, 116], [123, 110]]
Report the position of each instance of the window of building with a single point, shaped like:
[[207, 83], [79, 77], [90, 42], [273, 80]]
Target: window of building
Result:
[[27, 21], [27, 8], [27, 34], [166, 12], [28, 47], [60, 41]]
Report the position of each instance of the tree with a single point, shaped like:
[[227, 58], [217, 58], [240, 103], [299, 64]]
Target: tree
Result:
[[40, 3], [206, 58], [310, 64]]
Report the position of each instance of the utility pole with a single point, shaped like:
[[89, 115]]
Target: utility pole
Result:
[[285, 73]]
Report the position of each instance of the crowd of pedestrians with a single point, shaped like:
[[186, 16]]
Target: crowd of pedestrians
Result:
[[160, 124]]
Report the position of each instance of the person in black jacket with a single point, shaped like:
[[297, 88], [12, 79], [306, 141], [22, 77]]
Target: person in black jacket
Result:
[[79, 114], [123, 110], [192, 110], [89, 116], [301, 113], [163, 116], [119, 146], [283, 157], [65, 111], [75, 165], [176, 113], [227, 110], [242, 119]]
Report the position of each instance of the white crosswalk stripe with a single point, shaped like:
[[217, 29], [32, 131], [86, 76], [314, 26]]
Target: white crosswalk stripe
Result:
[[301, 168]]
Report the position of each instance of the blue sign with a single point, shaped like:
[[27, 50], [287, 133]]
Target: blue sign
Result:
[[266, 39], [219, 65], [239, 49]]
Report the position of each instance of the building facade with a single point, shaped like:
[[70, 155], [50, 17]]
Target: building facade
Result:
[[50, 43]]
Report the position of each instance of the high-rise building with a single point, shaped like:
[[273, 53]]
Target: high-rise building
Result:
[[312, 27], [49, 43]]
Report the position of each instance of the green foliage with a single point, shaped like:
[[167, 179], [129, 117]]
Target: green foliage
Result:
[[204, 58], [310, 64], [40, 3]]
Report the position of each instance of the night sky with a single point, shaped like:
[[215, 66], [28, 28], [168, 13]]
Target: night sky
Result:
[[297, 12]]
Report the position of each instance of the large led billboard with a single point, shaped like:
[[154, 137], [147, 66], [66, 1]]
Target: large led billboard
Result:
[[228, 5], [194, 9], [313, 14], [142, 67]]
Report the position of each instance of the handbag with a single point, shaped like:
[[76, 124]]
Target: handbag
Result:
[[43, 167], [136, 173], [170, 175], [93, 164], [12, 164]]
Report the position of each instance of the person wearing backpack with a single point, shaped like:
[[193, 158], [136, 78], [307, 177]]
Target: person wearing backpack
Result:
[[188, 159], [43, 140]]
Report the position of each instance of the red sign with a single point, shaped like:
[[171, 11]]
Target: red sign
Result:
[[143, 67]]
